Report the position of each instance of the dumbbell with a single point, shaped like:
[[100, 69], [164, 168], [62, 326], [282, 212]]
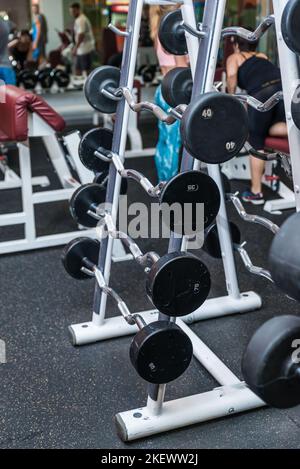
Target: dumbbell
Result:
[[177, 283], [27, 78], [45, 78], [61, 78], [214, 128], [271, 362], [160, 352], [212, 247], [290, 25], [190, 187]]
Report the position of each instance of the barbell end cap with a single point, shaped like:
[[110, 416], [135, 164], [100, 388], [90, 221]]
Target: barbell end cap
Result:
[[121, 428], [72, 336]]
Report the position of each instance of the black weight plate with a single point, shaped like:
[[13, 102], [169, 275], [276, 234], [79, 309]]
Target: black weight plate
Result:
[[85, 198], [214, 128], [193, 188], [28, 79], [284, 257], [212, 242], [90, 142], [102, 179], [102, 77], [268, 366], [296, 107], [161, 352], [178, 284], [62, 78], [171, 34], [290, 25], [177, 86], [45, 78], [74, 253]]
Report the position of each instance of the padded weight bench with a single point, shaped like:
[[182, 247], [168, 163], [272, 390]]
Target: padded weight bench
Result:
[[239, 168], [25, 115], [287, 196]]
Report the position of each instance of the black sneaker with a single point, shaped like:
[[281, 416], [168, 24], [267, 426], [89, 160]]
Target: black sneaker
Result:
[[255, 199]]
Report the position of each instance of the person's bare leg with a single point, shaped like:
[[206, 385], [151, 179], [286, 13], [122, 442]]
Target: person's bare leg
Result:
[[257, 170], [278, 130]]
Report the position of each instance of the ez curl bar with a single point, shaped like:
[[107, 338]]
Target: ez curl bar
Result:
[[186, 189], [177, 283], [160, 351]]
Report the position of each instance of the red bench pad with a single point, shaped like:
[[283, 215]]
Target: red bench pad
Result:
[[14, 113], [279, 144]]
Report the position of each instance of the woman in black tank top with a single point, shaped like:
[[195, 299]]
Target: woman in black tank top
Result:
[[254, 73]]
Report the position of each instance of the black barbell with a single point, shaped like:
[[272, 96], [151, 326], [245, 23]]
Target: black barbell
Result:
[[190, 187], [160, 352], [214, 128]]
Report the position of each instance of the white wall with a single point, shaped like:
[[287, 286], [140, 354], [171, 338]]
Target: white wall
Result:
[[54, 12]]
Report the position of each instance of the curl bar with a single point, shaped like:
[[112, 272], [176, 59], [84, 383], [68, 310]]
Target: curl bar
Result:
[[176, 283], [173, 27], [160, 351], [214, 128], [212, 247], [190, 187], [251, 218]]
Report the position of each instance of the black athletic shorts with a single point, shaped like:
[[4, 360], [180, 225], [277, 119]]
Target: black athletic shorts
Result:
[[84, 62], [261, 122]]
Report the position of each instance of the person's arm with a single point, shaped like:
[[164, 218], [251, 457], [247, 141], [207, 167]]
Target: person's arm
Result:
[[81, 34], [29, 57], [232, 69], [181, 60], [12, 44]]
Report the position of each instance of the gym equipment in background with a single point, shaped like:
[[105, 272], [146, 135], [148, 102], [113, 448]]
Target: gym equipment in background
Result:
[[33, 117], [160, 351], [271, 363]]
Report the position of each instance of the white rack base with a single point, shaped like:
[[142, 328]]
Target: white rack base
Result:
[[93, 331]]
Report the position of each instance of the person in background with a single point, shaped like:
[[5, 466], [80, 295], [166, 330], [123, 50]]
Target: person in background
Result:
[[7, 73], [253, 72], [21, 48], [84, 41], [169, 141], [39, 33]]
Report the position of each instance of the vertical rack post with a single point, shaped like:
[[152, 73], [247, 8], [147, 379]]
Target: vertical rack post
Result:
[[118, 146], [204, 78], [289, 66], [204, 73]]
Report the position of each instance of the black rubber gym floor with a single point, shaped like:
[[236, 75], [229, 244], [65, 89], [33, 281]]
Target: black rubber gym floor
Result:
[[56, 396]]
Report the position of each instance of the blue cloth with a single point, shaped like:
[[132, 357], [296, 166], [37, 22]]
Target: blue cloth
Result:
[[168, 145], [36, 52], [7, 74]]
